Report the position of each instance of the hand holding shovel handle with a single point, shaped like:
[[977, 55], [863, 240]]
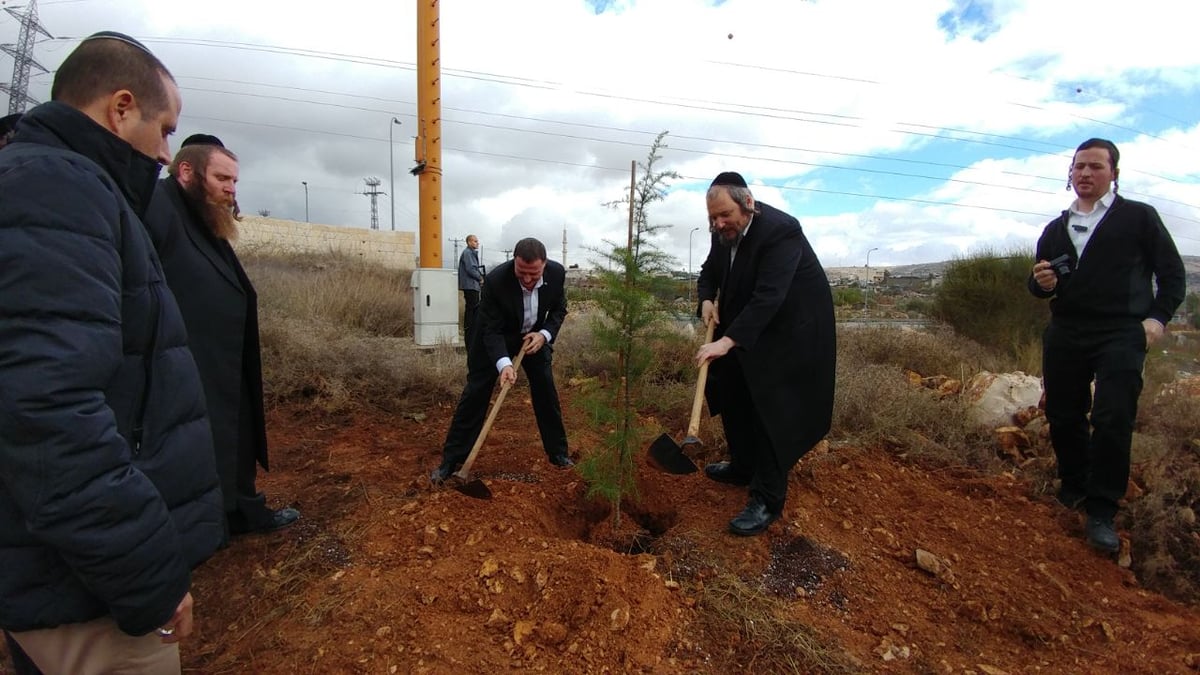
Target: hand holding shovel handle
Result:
[[693, 430], [465, 472]]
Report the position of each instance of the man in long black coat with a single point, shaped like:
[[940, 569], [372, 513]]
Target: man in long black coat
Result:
[[772, 373], [522, 307], [191, 223]]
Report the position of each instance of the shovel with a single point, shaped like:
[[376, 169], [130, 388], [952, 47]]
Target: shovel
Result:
[[664, 452], [476, 488]]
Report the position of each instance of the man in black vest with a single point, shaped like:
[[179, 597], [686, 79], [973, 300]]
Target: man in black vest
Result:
[[1095, 263], [191, 221]]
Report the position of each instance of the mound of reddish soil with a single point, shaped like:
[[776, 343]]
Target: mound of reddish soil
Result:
[[385, 574]]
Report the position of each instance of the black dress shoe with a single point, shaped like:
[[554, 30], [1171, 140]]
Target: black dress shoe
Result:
[[754, 519], [562, 461], [441, 473], [1101, 535], [271, 521], [723, 472]]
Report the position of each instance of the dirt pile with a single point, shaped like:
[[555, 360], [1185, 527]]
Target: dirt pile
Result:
[[387, 575]]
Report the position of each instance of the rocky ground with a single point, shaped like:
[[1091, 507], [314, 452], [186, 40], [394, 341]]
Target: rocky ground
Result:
[[878, 565]]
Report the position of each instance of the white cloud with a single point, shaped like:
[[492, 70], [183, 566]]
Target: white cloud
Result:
[[545, 104]]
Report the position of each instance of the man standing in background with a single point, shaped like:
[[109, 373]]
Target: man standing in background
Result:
[[470, 274], [192, 224], [1095, 263]]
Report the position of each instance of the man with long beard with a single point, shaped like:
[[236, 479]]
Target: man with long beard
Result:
[[192, 221], [774, 347]]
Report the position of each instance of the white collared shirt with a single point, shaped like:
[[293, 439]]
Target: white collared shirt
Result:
[[1081, 226], [529, 300]]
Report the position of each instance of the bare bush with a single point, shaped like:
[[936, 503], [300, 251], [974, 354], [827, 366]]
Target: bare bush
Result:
[[876, 404], [939, 351], [985, 298], [1166, 550], [334, 288], [340, 370]]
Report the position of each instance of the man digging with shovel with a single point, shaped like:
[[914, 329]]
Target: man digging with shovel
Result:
[[772, 360], [521, 308]]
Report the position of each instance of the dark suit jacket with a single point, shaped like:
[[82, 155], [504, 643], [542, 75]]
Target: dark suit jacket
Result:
[[220, 308], [775, 303], [501, 312]]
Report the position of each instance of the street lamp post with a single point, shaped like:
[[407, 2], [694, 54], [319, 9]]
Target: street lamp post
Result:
[[392, 170], [305, 184], [867, 292], [694, 231]]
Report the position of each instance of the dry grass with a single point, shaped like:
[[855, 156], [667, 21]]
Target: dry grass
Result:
[[332, 288], [336, 332], [1166, 549], [337, 369], [769, 642], [938, 351], [876, 405]]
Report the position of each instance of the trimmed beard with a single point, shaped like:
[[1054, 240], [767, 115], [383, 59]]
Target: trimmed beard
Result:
[[218, 214]]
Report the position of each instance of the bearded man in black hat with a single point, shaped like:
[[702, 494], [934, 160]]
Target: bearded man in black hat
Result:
[[192, 222], [773, 354]]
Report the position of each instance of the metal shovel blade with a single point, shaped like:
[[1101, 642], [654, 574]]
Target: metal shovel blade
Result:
[[668, 456], [474, 488]]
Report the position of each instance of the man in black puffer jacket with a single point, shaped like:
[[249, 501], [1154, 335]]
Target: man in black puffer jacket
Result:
[[108, 492]]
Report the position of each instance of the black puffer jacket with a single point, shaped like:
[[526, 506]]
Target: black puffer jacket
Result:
[[93, 356]]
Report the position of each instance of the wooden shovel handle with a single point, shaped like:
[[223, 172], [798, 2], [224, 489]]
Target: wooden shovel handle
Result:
[[465, 471], [693, 429]]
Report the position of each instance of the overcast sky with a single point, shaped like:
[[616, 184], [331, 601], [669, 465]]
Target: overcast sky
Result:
[[925, 129]]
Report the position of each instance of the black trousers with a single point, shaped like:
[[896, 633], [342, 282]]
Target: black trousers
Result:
[[1093, 457], [473, 406], [750, 450], [471, 299]]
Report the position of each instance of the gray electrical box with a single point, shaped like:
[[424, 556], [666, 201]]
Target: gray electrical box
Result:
[[435, 306]]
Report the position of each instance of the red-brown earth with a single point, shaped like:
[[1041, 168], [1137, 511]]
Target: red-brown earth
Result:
[[386, 574]]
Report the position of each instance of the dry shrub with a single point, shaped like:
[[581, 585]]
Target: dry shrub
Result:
[[334, 288], [669, 381], [938, 351], [339, 370], [1166, 550], [984, 296], [576, 353], [875, 404], [768, 641], [1171, 417]]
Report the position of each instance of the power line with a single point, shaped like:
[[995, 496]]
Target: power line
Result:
[[880, 158], [819, 165], [625, 170], [732, 108], [740, 109]]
